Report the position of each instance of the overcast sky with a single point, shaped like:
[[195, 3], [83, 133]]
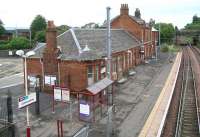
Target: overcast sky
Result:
[[20, 13]]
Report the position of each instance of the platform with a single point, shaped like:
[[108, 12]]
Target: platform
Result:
[[155, 122]]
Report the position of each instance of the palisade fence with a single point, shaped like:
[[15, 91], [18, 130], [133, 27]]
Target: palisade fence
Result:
[[7, 127], [83, 132]]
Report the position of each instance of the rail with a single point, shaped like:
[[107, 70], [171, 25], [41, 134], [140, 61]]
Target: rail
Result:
[[180, 105], [196, 96], [188, 65], [196, 101]]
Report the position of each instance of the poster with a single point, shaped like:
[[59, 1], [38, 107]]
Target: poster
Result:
[[65, 95], [85, 109], [57, 94], [47, 80], [53, 80]]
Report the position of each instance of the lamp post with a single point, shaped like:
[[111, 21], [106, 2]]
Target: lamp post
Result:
[[28, 54]]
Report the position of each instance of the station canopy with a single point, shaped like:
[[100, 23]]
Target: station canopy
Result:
[[99, 86]]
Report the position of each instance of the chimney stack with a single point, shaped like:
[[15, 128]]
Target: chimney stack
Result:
[[124, 9], [51, 36]]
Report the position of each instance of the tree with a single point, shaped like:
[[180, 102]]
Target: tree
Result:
[[61, 29], [40, 36], [167, 32], [2, 29], [38, 24], [19, 43]]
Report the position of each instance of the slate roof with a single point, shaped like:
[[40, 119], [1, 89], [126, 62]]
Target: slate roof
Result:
[[138, 20], [96, 41]]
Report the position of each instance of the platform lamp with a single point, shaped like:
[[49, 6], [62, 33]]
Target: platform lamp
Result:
[[25, 56]]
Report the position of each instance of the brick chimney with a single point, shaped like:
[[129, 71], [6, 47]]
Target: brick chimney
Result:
[[51, 36], [124, 9], [50, 54]]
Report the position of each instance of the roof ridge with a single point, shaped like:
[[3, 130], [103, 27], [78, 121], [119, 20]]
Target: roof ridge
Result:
[[133, 37], [97, 29]]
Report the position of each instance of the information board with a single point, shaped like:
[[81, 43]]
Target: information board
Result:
[[57, 94], [85, 109], [65, 95]]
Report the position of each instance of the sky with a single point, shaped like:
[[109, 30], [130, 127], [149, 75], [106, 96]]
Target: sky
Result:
[[76, 13]]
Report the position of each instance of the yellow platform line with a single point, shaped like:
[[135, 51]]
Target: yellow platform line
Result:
[[155, 122]]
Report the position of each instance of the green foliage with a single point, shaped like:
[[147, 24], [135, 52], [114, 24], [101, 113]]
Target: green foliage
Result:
[[169, 48], [40, 36], [167, 32], [195, 25], [62, 28], [2, 29], [38, 24], [164, 48], [19, 43]]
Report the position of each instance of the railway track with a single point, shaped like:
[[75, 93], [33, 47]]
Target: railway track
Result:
[[183, 116], [187, 124]]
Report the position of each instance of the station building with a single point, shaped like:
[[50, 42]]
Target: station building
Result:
[[77, 58]]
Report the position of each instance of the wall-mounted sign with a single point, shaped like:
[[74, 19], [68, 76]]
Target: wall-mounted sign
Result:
[[57, 94], [24, 101], [65, 95], [84, 109]]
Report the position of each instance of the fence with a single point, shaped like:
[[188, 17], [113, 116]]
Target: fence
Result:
[[83, 132]]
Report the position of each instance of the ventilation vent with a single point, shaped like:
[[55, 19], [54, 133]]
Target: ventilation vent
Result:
[[86, 48]]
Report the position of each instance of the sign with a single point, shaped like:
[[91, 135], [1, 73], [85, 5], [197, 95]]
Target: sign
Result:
[[85, 109], [57, 94], [47, 80], [65, 95], [32, 81], [24, 101]]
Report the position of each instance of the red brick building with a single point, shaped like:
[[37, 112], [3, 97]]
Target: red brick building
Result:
[[136, 26], [76, 59]]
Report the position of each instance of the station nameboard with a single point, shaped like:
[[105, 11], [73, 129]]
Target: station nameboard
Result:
[[24, 101]]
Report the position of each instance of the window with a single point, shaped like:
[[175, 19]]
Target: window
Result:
[[97, 73], [50, 80], [119, 63], [90, 75], [32, 81], [114, 65]]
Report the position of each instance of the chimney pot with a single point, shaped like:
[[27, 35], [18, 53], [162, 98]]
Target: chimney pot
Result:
[[124, 10], [51, 35]]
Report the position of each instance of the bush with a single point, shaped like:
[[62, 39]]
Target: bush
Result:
[[19, 43], [169, 48], [164, 48], [5, 47], [3, 42]]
